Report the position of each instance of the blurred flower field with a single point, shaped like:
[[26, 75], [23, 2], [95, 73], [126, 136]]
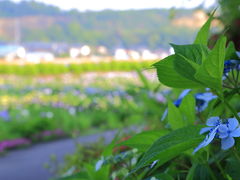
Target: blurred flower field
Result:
[[35, 109]]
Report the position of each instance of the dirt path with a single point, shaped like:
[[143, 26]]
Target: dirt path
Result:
[[28, 164]]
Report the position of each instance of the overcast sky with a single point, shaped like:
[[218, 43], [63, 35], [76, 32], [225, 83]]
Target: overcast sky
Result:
[[97, 5]]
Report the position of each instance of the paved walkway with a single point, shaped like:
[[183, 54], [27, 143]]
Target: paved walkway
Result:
[[28, 164]]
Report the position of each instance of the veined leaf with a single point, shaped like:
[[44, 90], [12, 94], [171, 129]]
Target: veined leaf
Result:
[[187, 109], [210, 72], [193, 52], [169, 77], [185, 67], [203, 34], [143, 140], [171, 145], [175, 117]]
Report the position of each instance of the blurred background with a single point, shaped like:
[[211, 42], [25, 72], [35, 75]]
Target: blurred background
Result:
[[75, 68]]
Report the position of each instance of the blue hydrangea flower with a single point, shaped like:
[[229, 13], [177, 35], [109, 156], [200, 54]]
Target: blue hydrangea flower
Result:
[[231, 65], [4, 114], [225, 131], [230, 77], [213, 123], [202, 100]]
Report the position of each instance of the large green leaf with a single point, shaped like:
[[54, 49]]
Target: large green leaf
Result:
[[175, 117], [184, 115], [143, 140], [193, 52], [210, 72], [187, 109], [186, 67], [203, 33], [169, 77], [171, 145]]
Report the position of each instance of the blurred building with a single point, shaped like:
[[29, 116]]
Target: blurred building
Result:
[[10, 52], [75, 52], [37, 57], [148, 55], [121, 54]]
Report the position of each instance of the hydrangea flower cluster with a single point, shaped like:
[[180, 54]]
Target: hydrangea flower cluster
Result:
[[4, 114], [224, 131], [231, 65], [231, 73]]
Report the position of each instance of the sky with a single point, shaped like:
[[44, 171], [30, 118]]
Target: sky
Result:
[[97, 5]]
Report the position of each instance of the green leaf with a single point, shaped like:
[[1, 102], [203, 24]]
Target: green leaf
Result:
[[187, 108], [184, 115], [143, 140], [93, 175], [191, 171], [109, 148], [201, 172], [169, 77], [171, 145], [77, 176], [232, 168], [163, 176], [143, 79], [203, 34], [185, 67], [210, 72], [175, 117], [231, 51], [193, 52]]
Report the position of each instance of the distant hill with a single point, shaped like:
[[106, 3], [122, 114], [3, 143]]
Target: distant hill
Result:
[[30, 21]]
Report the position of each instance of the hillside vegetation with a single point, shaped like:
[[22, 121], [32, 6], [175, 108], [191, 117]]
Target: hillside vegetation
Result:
[[33, 21]]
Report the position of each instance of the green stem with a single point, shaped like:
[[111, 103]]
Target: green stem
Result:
[[209, 169], [219, 166], [236, 154], [211, 172]]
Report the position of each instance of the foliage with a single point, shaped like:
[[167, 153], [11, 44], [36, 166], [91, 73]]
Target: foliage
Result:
[[181, 151], [127, 29], [43, 112], [53, 69]]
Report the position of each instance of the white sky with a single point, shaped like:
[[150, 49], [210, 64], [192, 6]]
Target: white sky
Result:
[[97, 5]]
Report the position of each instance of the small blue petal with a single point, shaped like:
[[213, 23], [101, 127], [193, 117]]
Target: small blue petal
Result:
[[213, 121], [223, 135], [232, 123], [165, 113], [201, 145], [206, 129], [223, 128], [235, 133], [177, 102], [238, 53], [227, 143], [207, 140], [211, 136], [184, 93]]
